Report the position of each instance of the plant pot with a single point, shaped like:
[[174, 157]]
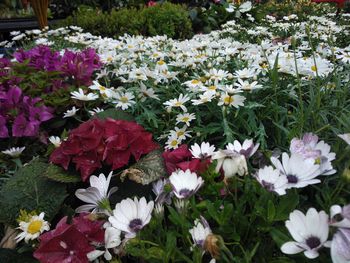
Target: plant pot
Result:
[[40, 9]]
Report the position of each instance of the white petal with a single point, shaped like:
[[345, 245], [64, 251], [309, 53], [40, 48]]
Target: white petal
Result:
[[291, 248]]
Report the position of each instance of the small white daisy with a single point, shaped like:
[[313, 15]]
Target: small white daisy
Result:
[[80, 95], [33, 228], [95, 110], [71, 112], [177, 103], [180, 133], [14, 151], [185, 118], [227, 99], [124, 100], [55, 140], [173, 142]]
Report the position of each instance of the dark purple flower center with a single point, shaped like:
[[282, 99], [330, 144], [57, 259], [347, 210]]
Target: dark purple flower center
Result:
[[268, 186], [292, 179], [135, 225], [185, 192], [313, 242]]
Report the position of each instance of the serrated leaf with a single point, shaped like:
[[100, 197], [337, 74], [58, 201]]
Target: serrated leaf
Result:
[[114, 114], [29, 190], [58, 174]]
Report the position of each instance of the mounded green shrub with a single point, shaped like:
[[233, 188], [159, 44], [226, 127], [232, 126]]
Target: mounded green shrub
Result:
[[163, 19], [167, 19]]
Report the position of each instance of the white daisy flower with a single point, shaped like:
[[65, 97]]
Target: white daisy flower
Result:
[[177, 103], [248, 86], [130, 216], [245, 73], [96, 195], [104, 92], [203, 98], [205, 150], [95, 110], [124, 100], [173, 142], [71, 112], [300, 172], [309, 231], [185, 184], [180, 133], [80, 95], [272, 180], [14, 151], [55, 140], [185, 118], [33, 228], [227, 99], [147, 93]]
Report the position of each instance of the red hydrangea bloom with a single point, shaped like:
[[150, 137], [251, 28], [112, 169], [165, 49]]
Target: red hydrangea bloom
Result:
[[70, 243], [181, 158], [97, 141]]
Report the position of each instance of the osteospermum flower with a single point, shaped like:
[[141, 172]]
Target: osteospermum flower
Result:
[[340, 246], [130, 216], [96, 195], [345, 137], [272, 180], [300, 172], [185, 183], [32, 228], [247, 148], [14, 151], [309, 231], [80, 95], [231, 163], [200, 232], [205, 150]]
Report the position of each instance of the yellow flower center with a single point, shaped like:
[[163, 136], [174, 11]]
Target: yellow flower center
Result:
[[314, 68], [124, 99], [195, 81], [180, 133], [173, 143], [161, 62], [109, 59], [228, 100], [34, 226], [212, 87], [185, 119], [178, 104], [102, 88]]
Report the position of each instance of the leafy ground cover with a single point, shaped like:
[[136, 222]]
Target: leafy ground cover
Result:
[[231, 146]]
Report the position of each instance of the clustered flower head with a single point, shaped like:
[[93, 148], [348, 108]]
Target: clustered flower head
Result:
[[22, 113], [96, 141], [70, 242], [78, 66]]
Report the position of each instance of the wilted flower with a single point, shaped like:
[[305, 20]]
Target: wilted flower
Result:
[[309, 231], [340, 216], [310, 148], [231, 163], [55, 140], [96, 195], [185, 184], [130, 216], [163, 196]]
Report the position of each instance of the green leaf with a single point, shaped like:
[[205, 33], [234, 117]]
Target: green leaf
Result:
[[29, 190], [278, 236], [114, 114], [58, 174], [271, 211], [286, 205]]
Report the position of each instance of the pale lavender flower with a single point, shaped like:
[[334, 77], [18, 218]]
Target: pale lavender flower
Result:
[[340, 247]]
